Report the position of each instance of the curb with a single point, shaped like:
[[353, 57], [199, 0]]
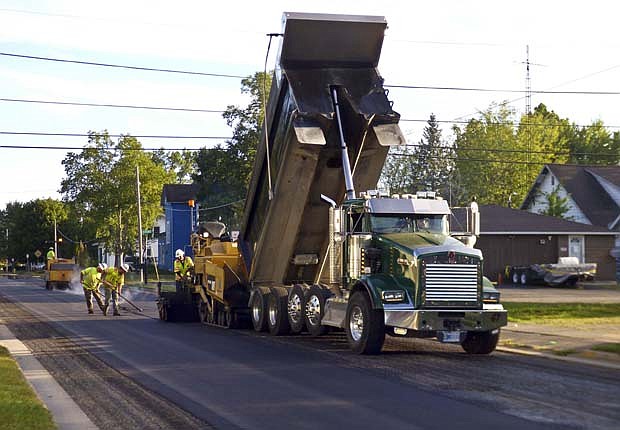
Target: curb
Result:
[[559, 358], [66, 413]]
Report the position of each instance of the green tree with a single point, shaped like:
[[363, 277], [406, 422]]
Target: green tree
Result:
[[593, 144], [223, 172], [101, 183], [425, 166], [397, 175], [30, 228], [485, 158], [557, 206], [183, 163], [497, 163]]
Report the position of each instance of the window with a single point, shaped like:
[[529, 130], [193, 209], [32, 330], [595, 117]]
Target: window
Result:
[[409, 224]]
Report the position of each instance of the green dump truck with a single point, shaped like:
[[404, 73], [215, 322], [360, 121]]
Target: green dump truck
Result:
[[312, 253]]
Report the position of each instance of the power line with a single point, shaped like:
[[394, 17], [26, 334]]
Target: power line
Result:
[[415, 87], [144, 136], [57, 102], [516, 151], [555, 86], [180, 109], [119, 66], [481, 160], [487, 150], [495, 90]]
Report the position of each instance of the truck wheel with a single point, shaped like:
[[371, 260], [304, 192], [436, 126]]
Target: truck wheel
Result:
[[163, 313], [314, 310], [277, 315], [203, 312], [258, 310], [515, 278], [231, 319], [523, 278], [364, 325], [481, 342], [295, 307]]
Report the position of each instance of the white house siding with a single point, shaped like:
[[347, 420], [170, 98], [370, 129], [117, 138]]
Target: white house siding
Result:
[[539, 203]]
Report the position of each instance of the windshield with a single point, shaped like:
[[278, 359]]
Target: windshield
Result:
[[409, 224]]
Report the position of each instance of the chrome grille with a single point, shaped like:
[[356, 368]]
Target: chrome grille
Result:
[[451, 283]]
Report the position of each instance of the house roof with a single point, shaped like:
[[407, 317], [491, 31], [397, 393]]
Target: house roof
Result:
[[178, 193], [585, 190], [496, 219]]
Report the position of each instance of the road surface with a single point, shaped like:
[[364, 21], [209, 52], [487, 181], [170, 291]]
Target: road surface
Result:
[[135, 371]]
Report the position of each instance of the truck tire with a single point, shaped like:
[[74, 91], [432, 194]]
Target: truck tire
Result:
[[203, 313], [277, 312], [163, 312], [481, 342], [258, 309], [364, 325], [295, 309], [314, 310], [523, 278], [515, 277]]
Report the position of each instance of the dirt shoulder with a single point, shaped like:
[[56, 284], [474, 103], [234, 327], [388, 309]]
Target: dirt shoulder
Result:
[[110, 399], [575, 341]]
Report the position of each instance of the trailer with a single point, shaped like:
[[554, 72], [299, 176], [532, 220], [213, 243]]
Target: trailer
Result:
[[566, 272], [313, 255]]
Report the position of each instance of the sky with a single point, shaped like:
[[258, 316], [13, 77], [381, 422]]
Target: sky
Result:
[[573, 46]]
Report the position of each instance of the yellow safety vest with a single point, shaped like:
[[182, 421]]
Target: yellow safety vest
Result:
[[182, 267], [91, 278], [114, 277]]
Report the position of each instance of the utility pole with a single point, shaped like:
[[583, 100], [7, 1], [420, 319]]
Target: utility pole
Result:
[[141, 254], [55, 239]]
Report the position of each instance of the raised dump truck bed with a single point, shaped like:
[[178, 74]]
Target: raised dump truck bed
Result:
[[285, 238]]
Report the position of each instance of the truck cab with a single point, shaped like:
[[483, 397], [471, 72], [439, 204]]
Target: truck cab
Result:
[[398, 254]]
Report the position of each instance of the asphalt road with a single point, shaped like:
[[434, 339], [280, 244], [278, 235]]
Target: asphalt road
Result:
[[239, 379]]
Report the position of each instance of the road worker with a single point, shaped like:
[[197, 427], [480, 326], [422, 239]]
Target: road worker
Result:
[[51, 255], [113, 280], [183, 267], [90, 278]]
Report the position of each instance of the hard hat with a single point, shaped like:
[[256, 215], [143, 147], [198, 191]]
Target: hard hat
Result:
[[102, 266], [124, 267], [51, 248], [179, 254]]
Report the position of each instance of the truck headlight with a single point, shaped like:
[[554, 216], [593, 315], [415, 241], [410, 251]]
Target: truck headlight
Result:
[[490, 297], [393, 296]]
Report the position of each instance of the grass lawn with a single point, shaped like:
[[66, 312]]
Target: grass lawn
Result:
[[20, 408], [608, 347], [563, 313]]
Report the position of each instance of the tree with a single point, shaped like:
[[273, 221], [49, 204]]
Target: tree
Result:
[[486, 151], [223, 172], [557, 205], [30, 228], [101, 184], [427, 166], [593, 144], [183, 163], [397, 175], [497, 163]]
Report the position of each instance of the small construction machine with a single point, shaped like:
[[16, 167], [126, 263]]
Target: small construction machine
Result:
[[312, 254], [61, 273]]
